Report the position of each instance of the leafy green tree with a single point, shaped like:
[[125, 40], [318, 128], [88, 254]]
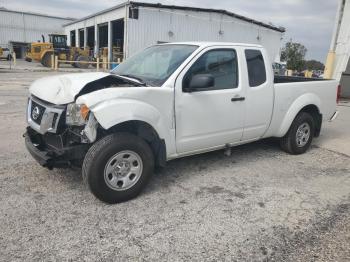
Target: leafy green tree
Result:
[[294, 54], [313, 65]]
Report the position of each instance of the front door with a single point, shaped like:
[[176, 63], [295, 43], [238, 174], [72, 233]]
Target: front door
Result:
[[210, 118]]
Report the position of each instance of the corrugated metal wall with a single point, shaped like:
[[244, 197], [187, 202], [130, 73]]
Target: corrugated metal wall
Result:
[[24, 27], [177, 25], [95, 20]]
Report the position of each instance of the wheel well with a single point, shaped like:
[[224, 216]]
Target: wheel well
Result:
[[316, 115], [146, 132]]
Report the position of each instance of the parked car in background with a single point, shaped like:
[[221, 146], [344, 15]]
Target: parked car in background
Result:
[[5, 53], [318, 73], [279, 69], [167, 102]]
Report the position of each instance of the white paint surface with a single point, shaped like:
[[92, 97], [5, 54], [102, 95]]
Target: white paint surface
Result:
[[205, 120]]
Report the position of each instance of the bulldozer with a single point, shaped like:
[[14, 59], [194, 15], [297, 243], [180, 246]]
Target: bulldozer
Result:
[[57, 45], [35, 51]]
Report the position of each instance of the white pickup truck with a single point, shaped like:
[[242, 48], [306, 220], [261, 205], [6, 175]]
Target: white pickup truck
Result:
[[166, 102]]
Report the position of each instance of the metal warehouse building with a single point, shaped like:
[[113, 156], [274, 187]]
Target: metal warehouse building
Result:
[[18, 29], [132, 26]]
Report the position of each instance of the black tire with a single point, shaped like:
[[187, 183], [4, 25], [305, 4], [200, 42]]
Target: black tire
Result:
[[75, 58], [82, 65], [46, 61], [98, 157], [289, 142]]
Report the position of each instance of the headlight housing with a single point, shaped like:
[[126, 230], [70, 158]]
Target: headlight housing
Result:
[[77, 115]]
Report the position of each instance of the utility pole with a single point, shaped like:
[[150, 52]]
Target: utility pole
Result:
[[330, 62]]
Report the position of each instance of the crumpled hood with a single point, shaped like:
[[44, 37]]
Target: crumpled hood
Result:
[[62, 89]]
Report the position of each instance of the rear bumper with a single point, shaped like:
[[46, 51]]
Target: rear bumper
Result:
[[53, 158]]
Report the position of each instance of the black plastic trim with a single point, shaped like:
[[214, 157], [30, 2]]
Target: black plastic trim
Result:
[[161, 154], [50, 157]]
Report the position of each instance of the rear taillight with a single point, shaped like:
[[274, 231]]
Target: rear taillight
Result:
[[338, 93]]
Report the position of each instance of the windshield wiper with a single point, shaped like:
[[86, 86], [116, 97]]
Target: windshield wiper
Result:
[[136, 78]]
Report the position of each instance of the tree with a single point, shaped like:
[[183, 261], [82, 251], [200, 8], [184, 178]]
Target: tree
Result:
[[313, 65], [294, 54]]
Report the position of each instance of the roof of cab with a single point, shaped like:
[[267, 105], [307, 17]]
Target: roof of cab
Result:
[[208, 44]]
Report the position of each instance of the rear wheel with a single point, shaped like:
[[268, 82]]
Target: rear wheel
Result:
[[117, 167], [300, 134]]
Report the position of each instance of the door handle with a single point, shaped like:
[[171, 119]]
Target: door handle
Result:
[[234, 99]]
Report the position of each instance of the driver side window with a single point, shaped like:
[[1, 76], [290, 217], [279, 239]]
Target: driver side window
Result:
[[219, 63]]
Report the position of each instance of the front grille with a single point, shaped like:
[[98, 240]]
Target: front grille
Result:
[[44, 117], [36, 113]]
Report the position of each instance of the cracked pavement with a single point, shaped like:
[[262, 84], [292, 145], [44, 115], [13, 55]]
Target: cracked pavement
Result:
[[259, 204]]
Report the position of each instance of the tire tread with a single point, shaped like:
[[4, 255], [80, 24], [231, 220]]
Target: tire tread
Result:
[[287, 142], [92, 164]]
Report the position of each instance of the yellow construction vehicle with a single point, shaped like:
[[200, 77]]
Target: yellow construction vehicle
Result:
[[57, 46], [35, 51]]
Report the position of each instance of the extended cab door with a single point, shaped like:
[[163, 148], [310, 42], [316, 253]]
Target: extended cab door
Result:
[[212, 117], [259, 93]]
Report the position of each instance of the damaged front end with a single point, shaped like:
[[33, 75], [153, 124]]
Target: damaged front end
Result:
[[60, 131], [59, 136]]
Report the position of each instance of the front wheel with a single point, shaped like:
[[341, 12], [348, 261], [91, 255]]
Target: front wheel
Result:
[[82, 62], [47, 59], [300, 134], [117, 167]]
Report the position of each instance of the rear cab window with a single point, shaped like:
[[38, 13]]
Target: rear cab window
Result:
[[256, 67]]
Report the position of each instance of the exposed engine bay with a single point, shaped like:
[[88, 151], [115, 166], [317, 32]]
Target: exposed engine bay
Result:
[[109, 81]]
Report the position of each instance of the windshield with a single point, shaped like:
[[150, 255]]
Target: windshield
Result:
[[154, 65]]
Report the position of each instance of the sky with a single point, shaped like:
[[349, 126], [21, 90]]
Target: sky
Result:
[[309, 22]]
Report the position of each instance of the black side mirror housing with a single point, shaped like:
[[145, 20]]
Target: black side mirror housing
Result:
[[200, 82]]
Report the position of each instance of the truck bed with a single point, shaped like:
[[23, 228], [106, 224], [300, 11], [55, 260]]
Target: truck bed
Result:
[[291, 92], [289, 79]]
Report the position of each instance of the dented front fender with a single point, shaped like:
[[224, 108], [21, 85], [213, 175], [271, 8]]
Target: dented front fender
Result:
[[152, 105]]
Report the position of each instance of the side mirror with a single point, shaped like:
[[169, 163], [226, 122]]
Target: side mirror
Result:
[[200, 82]]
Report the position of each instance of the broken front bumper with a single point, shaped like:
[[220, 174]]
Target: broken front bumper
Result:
[[53, 155]]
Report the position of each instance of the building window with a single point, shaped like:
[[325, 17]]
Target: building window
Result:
[[72, 38], [133, 12], [81, 38]]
